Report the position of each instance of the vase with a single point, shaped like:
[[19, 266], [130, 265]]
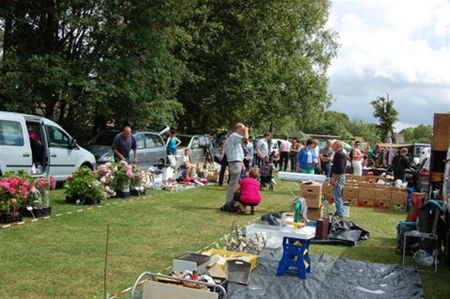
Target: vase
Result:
[[46, 198]]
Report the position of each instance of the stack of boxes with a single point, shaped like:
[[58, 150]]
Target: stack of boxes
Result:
[[363, 191], [313, 196], [398, 197], [382, 196]]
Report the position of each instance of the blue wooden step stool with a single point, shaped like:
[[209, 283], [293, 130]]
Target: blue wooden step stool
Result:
[[295, 254]]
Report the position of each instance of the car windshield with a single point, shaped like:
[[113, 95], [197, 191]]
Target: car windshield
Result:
[[184, 140], [104, 138]]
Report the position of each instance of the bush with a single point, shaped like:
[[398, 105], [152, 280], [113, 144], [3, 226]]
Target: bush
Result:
[[83, 188]]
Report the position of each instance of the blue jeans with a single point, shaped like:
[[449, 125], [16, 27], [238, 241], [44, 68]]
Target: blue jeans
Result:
[[338, 195], [327, 169]]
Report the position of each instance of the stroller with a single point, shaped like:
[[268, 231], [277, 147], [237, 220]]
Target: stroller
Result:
[[266, 177]]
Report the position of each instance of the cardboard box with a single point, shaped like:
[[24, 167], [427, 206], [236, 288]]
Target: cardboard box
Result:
[[366, 202], [311, 190], [313, 202], [328, 191], [366, 193], [315, 214], [350, 192], [191, 261], [383, 194], [238, 271], [157, 290], [399, 197], [382, 204], [367, 185]]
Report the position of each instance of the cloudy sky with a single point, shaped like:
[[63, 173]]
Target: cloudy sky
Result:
[[397, 46]]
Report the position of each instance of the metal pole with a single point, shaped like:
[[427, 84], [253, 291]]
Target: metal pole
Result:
[[106, 263]]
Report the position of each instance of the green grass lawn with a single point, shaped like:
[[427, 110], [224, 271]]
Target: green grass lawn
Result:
[[63, 257]]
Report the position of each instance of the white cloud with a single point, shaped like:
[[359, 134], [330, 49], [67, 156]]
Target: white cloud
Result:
[[400, 47]]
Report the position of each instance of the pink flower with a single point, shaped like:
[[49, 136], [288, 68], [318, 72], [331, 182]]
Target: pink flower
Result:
[[24, 192], [129, 173]]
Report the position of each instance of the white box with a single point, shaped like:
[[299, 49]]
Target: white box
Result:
[[191, 261]]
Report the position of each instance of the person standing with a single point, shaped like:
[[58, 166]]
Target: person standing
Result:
[[251, 151], [307, 157], [262, 148], [338, 179], [247, 154], [223, 162], [172, 143], [357, 158], [295, 149], [235, 156], [123, 143], [285, 150], [400, 164], [326, 157]]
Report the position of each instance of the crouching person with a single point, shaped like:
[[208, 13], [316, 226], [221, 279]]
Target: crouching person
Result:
[[246, 193]]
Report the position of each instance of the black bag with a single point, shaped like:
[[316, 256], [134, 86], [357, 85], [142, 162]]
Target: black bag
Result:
[[229, 207]]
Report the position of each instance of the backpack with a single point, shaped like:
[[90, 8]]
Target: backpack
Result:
[[350, 156]]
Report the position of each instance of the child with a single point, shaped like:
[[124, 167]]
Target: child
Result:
[[247, 191]]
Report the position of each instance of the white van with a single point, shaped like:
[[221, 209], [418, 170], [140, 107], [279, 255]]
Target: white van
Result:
[[39, 146]]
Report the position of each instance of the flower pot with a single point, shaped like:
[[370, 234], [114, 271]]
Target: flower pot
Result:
[[122, 194], [82, 201], [42, 212], [137, 192], [10, 218]]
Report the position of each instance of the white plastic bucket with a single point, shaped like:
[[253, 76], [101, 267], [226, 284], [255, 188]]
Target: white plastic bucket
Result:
[[346, 211]]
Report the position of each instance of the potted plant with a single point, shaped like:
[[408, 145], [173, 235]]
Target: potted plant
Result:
[[106, 177], [38, 202], [84, 188], [122, 173], [14, 190], [137, 181]]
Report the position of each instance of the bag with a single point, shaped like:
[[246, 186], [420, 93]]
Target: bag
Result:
[[265, 169], [229, 207]]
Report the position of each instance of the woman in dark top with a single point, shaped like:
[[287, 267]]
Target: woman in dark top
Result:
[[400, 164]]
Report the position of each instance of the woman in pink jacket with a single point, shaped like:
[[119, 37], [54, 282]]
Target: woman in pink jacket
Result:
[[247, 191]]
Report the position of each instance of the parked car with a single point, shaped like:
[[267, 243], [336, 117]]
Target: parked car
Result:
[[39, 146], [199, 144], [150, 147]]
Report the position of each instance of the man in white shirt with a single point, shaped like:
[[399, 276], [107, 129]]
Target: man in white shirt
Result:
[[235, 157], [262, 147], [285, 151]]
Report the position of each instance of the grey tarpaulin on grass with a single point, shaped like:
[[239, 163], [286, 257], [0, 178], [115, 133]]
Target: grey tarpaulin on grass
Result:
[[342, 232], [330, 277]]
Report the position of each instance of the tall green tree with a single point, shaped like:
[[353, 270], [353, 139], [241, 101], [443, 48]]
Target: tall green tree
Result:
[[419, 134], [387, 115], [88, 64], [261, 62]]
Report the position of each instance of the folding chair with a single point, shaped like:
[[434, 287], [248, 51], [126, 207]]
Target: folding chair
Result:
[[431, 207]]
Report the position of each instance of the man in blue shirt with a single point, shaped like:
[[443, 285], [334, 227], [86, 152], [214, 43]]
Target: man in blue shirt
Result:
[[123, 143], [235, 157]]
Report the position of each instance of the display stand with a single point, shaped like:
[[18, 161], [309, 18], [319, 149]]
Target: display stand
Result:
[[296, 251]]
